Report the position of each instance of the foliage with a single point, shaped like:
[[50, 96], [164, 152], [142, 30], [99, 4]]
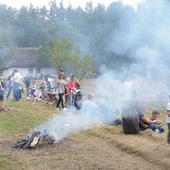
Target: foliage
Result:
[[89, 30], [61, 54], [109, 35], [7, 47]]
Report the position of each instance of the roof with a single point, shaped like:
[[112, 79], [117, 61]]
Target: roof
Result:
[[24, 57]]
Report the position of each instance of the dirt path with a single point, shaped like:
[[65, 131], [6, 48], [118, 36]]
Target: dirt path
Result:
[[75, 153]]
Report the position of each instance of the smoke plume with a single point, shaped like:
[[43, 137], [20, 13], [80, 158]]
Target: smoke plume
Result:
[[145, 38]]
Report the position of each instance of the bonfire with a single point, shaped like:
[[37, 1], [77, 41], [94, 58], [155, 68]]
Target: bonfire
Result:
[[35, 140]]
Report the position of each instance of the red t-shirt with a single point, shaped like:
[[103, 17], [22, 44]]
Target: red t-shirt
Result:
[[72, 84]]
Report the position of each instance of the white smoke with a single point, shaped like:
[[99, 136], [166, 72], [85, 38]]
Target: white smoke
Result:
[[66, 123], [145, 38], [70, 121]]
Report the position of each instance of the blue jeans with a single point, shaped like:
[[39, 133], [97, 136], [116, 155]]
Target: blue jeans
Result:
[[9, 91], [154, 127], [71, 99], [16, 91]]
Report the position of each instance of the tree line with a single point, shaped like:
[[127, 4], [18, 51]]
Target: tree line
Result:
[[95, 33]]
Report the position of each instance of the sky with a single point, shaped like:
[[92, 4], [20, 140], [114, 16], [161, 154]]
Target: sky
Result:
[[75, 3]]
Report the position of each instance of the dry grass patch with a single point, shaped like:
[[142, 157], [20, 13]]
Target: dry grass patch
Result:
[[103, 147]]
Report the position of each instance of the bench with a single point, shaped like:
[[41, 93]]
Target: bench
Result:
[[53, 98]]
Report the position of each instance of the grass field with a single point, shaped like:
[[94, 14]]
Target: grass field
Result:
[[101, 147]]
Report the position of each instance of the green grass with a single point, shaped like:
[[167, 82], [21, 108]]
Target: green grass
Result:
[[23, 117], [7, 162]]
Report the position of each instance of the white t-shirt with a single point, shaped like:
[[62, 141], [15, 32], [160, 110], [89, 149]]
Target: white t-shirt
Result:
[[17, 77], [88, 109], [167, 117]]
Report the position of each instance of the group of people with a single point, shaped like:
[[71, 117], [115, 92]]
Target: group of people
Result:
[[131, 86], [90, 109], [152, 122], [64, 87], [13, 83]]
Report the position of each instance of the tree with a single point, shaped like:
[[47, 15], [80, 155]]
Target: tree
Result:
[[62, 55], [101, 32], [7, 45], [7, 14]]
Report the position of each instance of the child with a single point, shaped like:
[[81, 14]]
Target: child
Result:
[[155, 115], [33, 89]]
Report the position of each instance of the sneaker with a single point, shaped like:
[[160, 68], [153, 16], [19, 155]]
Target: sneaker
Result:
[[64, 109], [57, 109], [157, 130]]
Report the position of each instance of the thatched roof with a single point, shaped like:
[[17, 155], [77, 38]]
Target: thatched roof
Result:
[[24, 57]]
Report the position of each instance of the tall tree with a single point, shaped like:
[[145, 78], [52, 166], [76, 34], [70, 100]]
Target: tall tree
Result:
[[7, 46], [62, 55]]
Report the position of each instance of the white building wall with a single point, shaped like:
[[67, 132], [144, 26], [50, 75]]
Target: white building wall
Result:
[[25, 71]]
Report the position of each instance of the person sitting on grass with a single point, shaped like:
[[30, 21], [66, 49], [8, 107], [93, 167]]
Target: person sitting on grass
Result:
[[90, 108], [145, 122], [155, 115]]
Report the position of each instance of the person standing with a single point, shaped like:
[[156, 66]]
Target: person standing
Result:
[[72, 84], [27, 81], [2, 80], [43, 85], [61, 83], [17, 83], [33, 89], [10, 85], [168, 120]]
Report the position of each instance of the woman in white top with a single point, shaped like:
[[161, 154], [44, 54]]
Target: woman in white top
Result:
[[61, 83]]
